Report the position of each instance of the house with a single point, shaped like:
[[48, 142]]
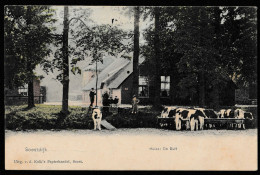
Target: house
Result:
[[115, 77], [246, 94], [20, 95]]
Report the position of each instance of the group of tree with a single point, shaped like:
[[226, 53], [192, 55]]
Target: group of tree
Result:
[[200, 47], [28, 40], [27, 33]]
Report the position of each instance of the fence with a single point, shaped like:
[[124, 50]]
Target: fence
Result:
[[21, 100]]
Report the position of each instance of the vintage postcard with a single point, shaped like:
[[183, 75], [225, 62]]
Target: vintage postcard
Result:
[[130, 88]]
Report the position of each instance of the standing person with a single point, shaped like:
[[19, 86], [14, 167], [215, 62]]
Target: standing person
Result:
[[110, 100], [116, 99], [92, 96], [105, 104], [135, 101]]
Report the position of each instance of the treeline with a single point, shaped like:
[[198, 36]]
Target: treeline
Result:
[[207, 46], [203, 48]]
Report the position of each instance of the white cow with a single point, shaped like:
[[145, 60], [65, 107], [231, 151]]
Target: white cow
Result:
[[221, 113], [178, 118], [192, 120], [165, 114], [201, 117], [192, 117], [166, 111], [97, 117], [239, 114]]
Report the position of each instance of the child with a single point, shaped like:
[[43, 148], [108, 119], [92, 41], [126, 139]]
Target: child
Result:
[[135, 101]]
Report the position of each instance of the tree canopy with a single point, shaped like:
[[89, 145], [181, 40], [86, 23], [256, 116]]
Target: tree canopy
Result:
[[27, 34], [219, 42]]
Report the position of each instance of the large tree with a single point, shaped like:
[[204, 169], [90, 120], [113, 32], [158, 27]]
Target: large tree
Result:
[[65, 62], [205, 46], [87, 41], [136, 50], [157, 56], [28, 33]]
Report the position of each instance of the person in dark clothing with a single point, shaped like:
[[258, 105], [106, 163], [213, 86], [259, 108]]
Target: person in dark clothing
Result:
[[116, 99], [92, 96], [111, 101], [105, 104]]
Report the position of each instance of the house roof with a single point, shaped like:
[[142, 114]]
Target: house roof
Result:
[[114, 74], [100, 66], [117, 78]]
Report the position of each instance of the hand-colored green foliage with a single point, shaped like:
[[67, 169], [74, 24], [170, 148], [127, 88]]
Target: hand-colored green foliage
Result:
[[46, 117]]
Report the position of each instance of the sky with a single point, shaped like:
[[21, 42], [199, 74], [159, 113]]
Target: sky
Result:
[[100, 15], [104, 15]]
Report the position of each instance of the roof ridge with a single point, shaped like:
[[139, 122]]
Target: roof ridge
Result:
[[112, 77], [103, 74]]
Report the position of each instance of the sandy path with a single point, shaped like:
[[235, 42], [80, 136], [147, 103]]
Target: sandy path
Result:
[[134, 149]]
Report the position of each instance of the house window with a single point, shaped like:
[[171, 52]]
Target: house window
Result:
[[165, 86], [23, 91], [143, 89]]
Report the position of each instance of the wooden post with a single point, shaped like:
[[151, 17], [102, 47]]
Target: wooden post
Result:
[[65, 63]]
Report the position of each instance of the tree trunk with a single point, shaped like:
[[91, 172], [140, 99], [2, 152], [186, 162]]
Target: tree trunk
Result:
[[29, 66], [96, 84], [65, 80], [216, 97], [157, 78], [136, 51], [201, 88], [217, 24], [30, 92]]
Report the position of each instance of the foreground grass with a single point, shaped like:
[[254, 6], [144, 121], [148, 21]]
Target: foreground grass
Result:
[[49, 117], [43, 117]]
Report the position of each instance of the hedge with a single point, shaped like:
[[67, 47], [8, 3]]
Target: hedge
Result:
[[49, 117]]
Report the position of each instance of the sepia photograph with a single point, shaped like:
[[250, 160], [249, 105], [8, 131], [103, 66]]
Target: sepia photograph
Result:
[[130, 88]]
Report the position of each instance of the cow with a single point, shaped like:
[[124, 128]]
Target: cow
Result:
[[179, 116], [226, 113], [210, 113], [239, 114], [229, 113], [248, 115], [249, 119], [221, 113], [192, 118], [97, 117], [205, 113], [232, 113], [168, 112]]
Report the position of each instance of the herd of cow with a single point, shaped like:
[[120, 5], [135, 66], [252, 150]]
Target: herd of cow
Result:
[[193, 118]]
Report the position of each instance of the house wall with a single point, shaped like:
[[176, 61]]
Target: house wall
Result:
[[23, 99], [36, 88], [242, 95], [37, 91], [86, 77], [126, 90]]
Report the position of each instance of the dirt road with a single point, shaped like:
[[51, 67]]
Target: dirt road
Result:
[[134, 149]]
